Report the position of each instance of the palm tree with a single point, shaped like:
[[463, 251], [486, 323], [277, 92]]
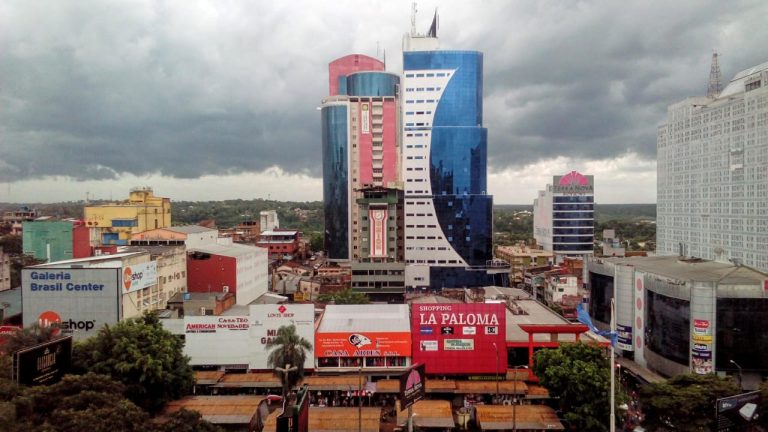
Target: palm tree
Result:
[[289, 350]]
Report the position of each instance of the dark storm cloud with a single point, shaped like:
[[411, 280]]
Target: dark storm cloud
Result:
[[94, 90]]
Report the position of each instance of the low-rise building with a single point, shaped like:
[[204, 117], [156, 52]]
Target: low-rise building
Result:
[[5, 271], [56, 240], [191, 236], [236, 268], [521, 257], [81, 296], [114, 223], [282, 244], [15, 219], [680, 314]]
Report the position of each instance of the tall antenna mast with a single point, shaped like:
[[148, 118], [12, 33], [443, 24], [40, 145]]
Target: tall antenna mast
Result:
[[413, 19], [714, 77]]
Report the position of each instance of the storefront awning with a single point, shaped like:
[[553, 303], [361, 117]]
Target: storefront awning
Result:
[[208, 377], [526, 417], [222, 409], [249, 380], [429, 414], [489, 387], [339, 382], [336, 419]]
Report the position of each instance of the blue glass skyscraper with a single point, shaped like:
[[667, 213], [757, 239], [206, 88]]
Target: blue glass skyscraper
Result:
[[448, 213]]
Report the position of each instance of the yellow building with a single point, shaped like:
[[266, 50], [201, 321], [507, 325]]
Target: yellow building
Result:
[[521, 257], [115, 222]]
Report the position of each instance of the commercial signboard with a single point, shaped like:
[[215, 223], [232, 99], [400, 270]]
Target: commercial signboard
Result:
[[363, 344], [240, 341], [412, 386], [217, 340], [624, 337], [43, 364], [77, 302], [139, 276], [573, 183], [267, 319], [460, 338], [736, 413]]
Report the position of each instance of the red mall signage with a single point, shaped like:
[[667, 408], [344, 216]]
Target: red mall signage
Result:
[[460, 338]]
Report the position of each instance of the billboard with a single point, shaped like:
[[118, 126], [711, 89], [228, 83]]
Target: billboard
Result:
[[43, 364], [267, 319], [738, 412], [139, 276], [460, 338], [363, 344], [240, 341], [412, 386], [78, 301]]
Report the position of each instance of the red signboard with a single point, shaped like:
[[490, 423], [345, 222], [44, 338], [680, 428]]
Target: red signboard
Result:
[[363, 344], [460, 338]]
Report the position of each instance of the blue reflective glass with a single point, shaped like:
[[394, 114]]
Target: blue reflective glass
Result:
[[470, 217], [458, 159], [461, 103], [572, 215], [335, 181], [574, 199], [372, 84], [440, 277]]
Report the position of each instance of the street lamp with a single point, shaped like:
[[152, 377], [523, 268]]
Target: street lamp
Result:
[[360, 397], [497, 371], [741, 387]]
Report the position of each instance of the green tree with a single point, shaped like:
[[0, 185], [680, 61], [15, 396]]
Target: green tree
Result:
[[288, 350], [579, 375], [316, 241], [90, 402], [28, 337], [684, 402], [142, 355], [186, 421], [344, 297]]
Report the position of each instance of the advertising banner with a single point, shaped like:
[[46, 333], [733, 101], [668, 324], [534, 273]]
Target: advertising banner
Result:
[[217, 340], [267, 319], [139, 276], [412, 386], [77, 302], [460, 338], [43, 364], [365, 118], [368, 344], [738, 412], [378, 221], [624, 337]]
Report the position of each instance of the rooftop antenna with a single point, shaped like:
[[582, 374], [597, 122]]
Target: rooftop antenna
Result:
[[714, 77], [413, 19]]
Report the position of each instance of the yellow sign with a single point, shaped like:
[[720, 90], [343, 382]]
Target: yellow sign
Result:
[[702, 338]]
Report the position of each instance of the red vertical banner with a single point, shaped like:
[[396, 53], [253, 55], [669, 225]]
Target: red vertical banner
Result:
[[378, 219]]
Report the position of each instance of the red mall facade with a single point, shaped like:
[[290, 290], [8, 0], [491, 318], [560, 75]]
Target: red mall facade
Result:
[[460, 339]]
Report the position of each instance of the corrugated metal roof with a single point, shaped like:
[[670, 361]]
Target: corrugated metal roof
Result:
[[694, 269], [365, 318], [190, 229], [279, 233]]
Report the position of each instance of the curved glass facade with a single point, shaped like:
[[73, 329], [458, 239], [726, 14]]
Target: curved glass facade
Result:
[[602, 291], [668, 328], [335, 181], [466, 222], [461, 103], [372, 84], [458, 161]]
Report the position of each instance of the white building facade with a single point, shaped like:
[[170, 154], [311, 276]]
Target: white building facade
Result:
[[712, 198], [563, 216]]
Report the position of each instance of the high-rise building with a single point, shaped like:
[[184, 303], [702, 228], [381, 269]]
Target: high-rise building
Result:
[[712, 198], [360, 134], [563, 216], [448, 213]]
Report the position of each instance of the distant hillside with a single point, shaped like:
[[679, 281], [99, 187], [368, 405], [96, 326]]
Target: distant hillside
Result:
[[632, 212]]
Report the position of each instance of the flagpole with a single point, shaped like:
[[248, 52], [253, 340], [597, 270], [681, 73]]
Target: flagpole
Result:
[[613, 368]]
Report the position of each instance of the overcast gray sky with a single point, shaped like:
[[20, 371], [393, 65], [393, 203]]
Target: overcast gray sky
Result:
[[207, 100]]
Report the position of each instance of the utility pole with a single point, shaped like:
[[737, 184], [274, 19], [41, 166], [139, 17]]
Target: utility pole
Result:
[[741, 386], [613, 368]]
